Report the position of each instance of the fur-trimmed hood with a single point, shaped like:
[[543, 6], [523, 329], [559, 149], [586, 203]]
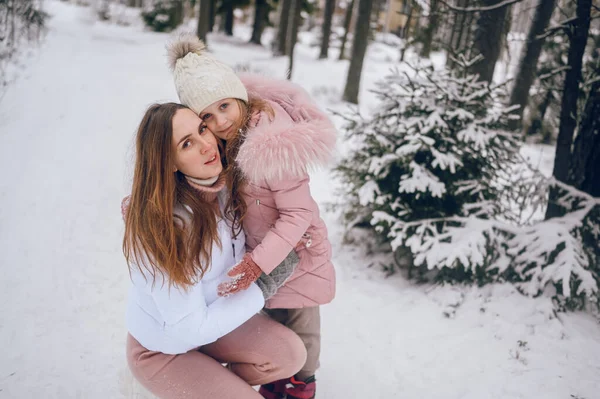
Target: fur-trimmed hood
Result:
[[300, 137]]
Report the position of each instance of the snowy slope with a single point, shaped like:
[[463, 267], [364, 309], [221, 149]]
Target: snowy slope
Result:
[[66, 127]]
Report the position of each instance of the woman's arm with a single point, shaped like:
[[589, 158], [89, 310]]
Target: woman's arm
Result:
[[292, 200], [202, 324], [189, 319]]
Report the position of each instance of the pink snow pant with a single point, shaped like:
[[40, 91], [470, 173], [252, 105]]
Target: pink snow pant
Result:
[[258, 352]]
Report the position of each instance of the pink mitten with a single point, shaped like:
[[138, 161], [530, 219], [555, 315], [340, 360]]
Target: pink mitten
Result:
[[243, 274]]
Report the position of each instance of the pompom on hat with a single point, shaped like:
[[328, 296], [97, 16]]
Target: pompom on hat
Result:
[[201, 79]]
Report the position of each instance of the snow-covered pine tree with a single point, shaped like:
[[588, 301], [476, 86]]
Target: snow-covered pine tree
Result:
[[163, 15], [430, 163], [433, 170]]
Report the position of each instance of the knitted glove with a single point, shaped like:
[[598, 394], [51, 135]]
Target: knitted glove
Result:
[[243, 274], [270, 283]]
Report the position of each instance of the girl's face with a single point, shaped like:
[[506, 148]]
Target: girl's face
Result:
[[195, 147], [221, 117]]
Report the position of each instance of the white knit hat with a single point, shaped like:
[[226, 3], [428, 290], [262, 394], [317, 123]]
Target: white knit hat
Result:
[[201, 79]]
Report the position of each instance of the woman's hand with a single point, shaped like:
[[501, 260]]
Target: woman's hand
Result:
[[243, 275]]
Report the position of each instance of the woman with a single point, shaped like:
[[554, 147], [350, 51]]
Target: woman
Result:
[[179, 243], [273, 133]]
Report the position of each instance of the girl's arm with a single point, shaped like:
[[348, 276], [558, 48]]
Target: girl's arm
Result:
[[292, 200], [294, 203]]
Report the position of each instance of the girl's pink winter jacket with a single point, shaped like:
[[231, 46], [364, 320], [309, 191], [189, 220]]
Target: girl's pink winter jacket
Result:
[[275, 158]]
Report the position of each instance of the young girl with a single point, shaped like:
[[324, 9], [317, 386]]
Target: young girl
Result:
[[179, 244], [274, 134]]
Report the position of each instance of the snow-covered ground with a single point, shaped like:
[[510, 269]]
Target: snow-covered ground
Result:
[[66, 128]]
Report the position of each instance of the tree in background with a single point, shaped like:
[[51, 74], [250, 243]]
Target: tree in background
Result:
[[261, 20], [569, 111], [23, 23], [489, 37], [226, 10], [529, 59], [204, 13], [292, 37], [280, 42], [347, 22], [359, 49], [461, 25], [430, 30], [164, 15], [326, 33]]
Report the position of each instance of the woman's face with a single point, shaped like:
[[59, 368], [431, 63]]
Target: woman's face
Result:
[[195, 147], [221, 117]]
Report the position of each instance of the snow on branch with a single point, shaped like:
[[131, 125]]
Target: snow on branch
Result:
[[563, 25], [554, 72], [504, 3]]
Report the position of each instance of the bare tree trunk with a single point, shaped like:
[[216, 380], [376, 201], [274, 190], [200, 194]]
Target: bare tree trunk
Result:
[[212, 14], [282, 30], [359, 48], [432, 26], [178, 13], [327, 17], [568, 111], [347, 21], [229, 17], [460, 31], [292, 37], [406, 31], [203, 19], [531, 54], [261, 10], [538, 120], [488, 39], [585, 166]]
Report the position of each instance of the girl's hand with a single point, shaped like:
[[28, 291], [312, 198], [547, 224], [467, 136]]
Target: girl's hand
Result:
[[243, 275]]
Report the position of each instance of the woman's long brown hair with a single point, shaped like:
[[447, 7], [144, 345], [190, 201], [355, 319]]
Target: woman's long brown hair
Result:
[[236, 207], [155, 238]]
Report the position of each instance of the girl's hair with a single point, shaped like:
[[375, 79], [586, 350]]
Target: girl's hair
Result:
[[236, 207], [155, 238]]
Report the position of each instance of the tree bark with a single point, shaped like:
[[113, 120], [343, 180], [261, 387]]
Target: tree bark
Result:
[[359, 48], [292, 38], [327, 17], [203, 19], [282, 30], [432, 26], [528, 63], [568, 111], [488, 39], [537, 121], [585, 166], [261, 12], [347, 21], [212, 14], [229, 17], [460, 32]]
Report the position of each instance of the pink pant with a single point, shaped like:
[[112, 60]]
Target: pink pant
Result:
[[258, 352]]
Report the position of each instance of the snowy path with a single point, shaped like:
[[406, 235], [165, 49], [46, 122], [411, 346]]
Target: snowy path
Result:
[[66, 127]]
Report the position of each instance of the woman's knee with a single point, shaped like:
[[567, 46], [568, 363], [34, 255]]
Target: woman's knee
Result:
[[143, 363], [294, 351]]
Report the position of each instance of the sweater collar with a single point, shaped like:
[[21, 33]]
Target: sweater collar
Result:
[[208, 190]]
